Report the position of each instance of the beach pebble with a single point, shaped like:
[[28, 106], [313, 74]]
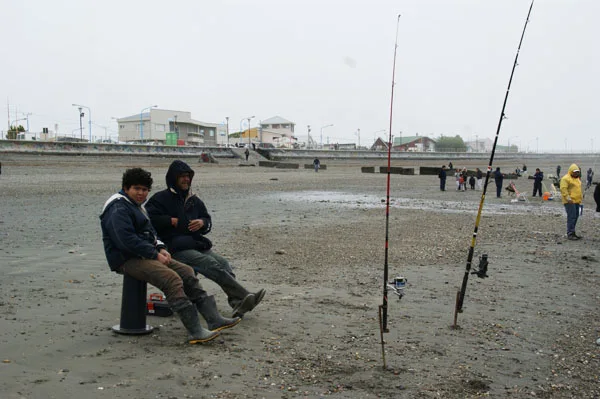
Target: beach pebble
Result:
[[598, 341]]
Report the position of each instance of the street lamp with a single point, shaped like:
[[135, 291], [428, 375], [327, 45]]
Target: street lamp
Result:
[[324, 127], [81, 115], [248, 119], [89, 118], [142, 122], [227, 130]]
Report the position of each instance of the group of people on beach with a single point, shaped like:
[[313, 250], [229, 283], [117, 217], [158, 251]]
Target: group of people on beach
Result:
[[570, 186], [163, 242], [462, 178]]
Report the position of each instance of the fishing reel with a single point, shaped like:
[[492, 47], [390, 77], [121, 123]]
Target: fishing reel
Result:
[[397, 285], [481, 271]]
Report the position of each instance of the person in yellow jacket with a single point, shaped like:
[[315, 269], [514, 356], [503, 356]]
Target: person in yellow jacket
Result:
[[570, 189]]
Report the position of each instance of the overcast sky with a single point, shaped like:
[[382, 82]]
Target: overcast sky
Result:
[[313, 62]]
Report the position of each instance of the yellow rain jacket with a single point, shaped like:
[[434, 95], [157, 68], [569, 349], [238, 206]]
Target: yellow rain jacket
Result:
[[570, 187]]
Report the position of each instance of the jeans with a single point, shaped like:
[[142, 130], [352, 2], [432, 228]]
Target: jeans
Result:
[[498, 190], [216, 268], [443, 184], [176, 280], [572, 216]]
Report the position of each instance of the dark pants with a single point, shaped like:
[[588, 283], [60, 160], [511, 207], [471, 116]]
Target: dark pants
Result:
[[498, 189], [443, 184], [177, 281], [572, 216], [537, 187], [216, 268]]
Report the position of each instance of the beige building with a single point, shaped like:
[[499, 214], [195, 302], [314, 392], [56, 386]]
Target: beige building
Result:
[[152, 127]]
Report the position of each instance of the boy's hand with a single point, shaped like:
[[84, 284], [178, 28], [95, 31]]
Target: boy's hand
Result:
[[174, 222], [164, 257], [196, 225]]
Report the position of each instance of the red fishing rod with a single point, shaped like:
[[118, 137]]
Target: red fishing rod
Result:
[[483, 263]]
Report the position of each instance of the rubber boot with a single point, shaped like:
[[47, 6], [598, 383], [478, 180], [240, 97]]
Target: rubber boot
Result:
[[243, 306], [215, 322], [190, 319]]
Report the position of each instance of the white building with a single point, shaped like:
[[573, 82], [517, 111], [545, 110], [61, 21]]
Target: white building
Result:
[[277, 131], [153, 126]]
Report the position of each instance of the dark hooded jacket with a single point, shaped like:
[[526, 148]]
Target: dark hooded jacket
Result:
[[127, 232], [183, 205]]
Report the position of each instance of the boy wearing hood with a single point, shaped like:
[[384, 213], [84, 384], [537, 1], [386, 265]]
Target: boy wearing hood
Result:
[[570, 190], [132, 247], [182, 220]]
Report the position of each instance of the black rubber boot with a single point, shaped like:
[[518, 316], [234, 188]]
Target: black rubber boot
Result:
[[215, 322], [243, 306], [190, 319]]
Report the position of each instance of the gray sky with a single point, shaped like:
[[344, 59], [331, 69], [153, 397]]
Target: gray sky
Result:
[[312, 62]]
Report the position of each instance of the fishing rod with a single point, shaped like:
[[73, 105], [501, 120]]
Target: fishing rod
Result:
[[483, 264], [384, 305]]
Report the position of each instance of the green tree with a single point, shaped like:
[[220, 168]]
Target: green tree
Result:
[[12, 132], [450, 144]]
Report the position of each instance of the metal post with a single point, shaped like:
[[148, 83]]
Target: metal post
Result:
[[227, 127], [81, 114]]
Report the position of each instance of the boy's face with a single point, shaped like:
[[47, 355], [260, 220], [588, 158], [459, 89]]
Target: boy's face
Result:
[[138, 193]]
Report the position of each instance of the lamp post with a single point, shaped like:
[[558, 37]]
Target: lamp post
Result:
[[89, 118], [142, 121], [358, 134], [375, 134], [227, 129], [81, 115], [324, 127], [248, 119], [117, 120]]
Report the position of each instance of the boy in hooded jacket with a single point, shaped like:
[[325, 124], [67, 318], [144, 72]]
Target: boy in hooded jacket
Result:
[[182, 220], [132, 247]]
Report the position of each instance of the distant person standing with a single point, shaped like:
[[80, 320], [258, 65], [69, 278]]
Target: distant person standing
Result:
[[558, 172], [316, 164], [479, 176], [538, 177], [472, 182], [498, 178], [590, 176], [247, 153], [442, 176], [570, 190]]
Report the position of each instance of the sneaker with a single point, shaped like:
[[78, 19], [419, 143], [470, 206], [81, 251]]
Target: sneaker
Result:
[[572, 237], [577, 236]]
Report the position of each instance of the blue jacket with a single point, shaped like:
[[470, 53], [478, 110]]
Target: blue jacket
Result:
[[498, 177], [183, 205], [538, 177], [127, 232]]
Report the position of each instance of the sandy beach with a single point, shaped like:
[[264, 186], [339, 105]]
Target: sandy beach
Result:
[[315, 242]]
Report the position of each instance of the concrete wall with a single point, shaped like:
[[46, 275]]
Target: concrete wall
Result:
[[68, 148]]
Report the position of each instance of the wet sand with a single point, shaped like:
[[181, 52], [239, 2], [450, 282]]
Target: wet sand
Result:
[[315, 241]]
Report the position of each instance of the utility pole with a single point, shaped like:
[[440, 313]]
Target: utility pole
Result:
[[81, 115], [227, 128]]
